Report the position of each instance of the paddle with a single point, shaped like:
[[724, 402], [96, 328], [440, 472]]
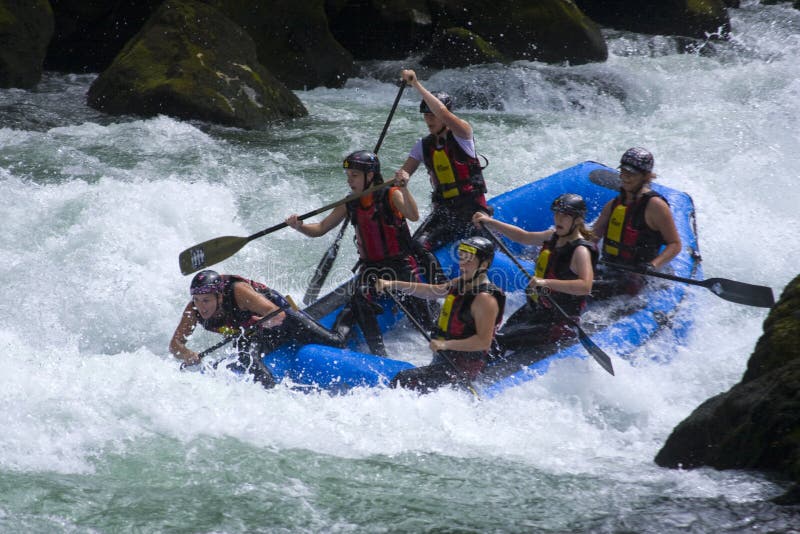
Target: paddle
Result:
[[325, 264], [427, 336], [247, 333], [597, 353], [215, 250], [738, 292]]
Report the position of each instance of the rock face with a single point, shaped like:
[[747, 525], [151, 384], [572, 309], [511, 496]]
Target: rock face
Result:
[[756, 424], [25, 31], [457, 47], [88, 35], [190, 61], [292, 40], [553, 31], [688, 18]]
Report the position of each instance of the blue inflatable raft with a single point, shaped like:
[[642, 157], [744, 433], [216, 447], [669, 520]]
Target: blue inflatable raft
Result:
[[663, 306]]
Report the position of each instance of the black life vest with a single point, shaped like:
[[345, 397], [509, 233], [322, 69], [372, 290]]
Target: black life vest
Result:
[[231, 318], [628, 239], [452, 171], [456, 320], [381, 234], [554, 263]]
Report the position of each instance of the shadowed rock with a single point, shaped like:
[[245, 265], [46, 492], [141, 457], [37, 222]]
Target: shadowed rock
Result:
[[25, 30], [756, 424]]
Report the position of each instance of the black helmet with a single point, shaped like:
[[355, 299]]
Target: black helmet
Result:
[[443, 97], [363, 160], [571, 204], [481, 247], [636, 159], [207, 281]]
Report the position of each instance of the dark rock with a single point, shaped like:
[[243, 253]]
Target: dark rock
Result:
[[380, 29], [88, 35], [25, 30], [756, 424], [292, 40], [689, 18], [552, 31], [457, 47], [192, 62]]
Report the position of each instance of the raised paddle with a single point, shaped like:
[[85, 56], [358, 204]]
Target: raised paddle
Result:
[[215, 250], [325, 264], [247, 333], [597, 353], [427, 336], [738, 292]]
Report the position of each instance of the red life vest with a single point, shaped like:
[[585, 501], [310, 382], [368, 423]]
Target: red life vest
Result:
[[628, 239], [381, 232], [231, 317], [554, 263], [452, 171], [455, 319]]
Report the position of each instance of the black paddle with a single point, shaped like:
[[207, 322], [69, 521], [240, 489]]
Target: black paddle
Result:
[[247, 333], [738, 292], [329, 257], [597, 353], [215, 250], [427, 336]]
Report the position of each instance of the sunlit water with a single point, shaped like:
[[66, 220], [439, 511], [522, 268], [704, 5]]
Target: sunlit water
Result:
[[100, 432]]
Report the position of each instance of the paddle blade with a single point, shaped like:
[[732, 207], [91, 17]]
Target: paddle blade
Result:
[[741, 292], [597, 353], [209, 252], [320, 275]]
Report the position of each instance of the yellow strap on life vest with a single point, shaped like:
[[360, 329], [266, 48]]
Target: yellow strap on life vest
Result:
[[444, 173], [541, 269], [614, 231], [227, 330], [444, 315]]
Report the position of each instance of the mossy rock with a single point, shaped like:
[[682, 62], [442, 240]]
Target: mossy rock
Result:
[[190, 61], [292, 40], [756, 424], [25, 30], [553, 31], [688, 18], [458, 47]]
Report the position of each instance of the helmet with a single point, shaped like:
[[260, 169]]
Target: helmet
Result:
[[363, 160], [443, 97], [481, 247], [636, 159], [571, 204], [207, 281]]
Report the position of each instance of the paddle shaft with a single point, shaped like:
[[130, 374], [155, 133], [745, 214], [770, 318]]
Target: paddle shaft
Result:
[[325, 264], [597, 353], [738, 292]]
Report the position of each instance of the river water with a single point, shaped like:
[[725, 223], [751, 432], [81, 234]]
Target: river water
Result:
[[100, 432]]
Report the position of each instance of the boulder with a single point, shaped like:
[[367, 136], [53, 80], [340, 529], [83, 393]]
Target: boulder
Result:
[[88, 35], [25, 30], [380, 29], [292, 40], [688, 18], [190, 61], [457, 47], [553, 31], [755, 424]]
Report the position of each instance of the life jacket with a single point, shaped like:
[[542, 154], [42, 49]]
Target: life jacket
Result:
[[381, 232], [452, 171], [232, 318], [554, 263], [628, 239], [456, 320]]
